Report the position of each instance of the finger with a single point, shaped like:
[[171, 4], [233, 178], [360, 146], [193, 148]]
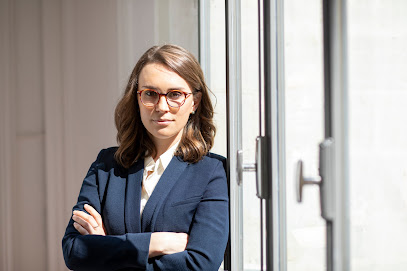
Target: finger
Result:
[[80, 229], [94, 214], [86, 217], [83, 223]]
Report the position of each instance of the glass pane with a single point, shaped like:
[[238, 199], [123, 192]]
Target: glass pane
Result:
[[216, 78], [306, 243], [250, 121], [217, 75], [377, 33], [176, 22], [250, 113]]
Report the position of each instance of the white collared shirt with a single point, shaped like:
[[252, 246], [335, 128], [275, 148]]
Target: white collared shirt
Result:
[[152, 173]]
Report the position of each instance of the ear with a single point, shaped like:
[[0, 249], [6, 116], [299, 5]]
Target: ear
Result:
[[197, 99]]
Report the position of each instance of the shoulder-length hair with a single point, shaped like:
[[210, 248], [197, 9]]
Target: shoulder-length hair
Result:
[[199, 132]]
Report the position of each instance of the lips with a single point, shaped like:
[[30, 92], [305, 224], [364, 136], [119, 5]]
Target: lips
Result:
[[162, 121]]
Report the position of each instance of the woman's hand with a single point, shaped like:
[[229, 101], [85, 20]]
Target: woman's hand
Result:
[[162, 243], [88, 224]]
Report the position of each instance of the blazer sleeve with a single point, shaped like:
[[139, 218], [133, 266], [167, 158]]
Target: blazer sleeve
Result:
[[96, 252], [209, 230]]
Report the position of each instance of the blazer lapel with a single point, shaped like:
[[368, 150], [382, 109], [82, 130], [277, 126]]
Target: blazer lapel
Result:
[[163, 187], [133, 197]]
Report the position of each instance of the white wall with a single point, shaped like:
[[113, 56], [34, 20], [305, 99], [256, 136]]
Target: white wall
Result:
[[377, 58], [378, 146], [63, 67], [22, 137]]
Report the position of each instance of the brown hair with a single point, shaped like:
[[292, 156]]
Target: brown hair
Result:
[[199, 132]]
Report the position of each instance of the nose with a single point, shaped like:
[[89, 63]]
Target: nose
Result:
[[162, 105]]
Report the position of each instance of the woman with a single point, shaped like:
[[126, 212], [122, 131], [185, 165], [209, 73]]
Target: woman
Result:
[[159, 200]]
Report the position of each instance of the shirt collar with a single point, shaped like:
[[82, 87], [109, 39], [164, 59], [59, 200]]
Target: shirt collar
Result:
[[163, 160], [166, 157]]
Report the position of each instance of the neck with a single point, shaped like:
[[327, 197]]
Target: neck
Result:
[[162, 146]]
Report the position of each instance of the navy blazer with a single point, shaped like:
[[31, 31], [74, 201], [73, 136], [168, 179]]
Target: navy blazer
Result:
[[189, 198]]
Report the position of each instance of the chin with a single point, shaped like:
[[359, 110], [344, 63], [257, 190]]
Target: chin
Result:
[[164, 136]]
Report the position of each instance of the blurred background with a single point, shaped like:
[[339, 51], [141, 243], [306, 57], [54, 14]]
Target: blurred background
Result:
[[65, 63]]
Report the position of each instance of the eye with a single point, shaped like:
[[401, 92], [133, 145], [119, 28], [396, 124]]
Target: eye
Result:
[[150, 93], [175, 94]]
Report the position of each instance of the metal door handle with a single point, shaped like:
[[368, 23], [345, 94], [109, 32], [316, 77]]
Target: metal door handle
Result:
[[324, 180], [260, 167], [262, 164], [241, 167], [300, 180]]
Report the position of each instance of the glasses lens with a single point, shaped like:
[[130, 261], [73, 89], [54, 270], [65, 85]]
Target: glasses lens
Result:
[[149, 97], [175, 98]]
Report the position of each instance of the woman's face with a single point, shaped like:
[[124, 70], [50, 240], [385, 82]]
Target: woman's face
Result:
[[165, 124]]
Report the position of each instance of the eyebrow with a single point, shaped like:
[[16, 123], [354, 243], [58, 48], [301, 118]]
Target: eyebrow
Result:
[[156, 88]]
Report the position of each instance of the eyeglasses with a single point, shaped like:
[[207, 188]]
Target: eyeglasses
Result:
[[174, 98]]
